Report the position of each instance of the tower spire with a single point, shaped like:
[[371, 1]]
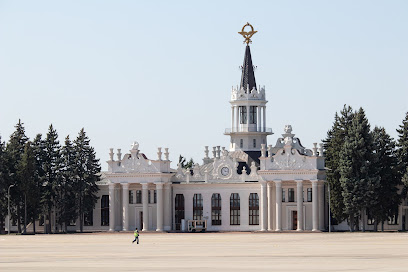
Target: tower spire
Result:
[[248, 76]]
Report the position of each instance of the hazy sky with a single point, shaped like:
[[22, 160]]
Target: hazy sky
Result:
[[160, 72]]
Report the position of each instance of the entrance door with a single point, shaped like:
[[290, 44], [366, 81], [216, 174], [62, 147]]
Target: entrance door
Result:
[[179, 207], [141, 221], [294, 220]]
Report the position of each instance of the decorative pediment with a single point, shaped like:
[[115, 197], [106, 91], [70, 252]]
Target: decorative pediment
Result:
[[289, 158], [138, 164]]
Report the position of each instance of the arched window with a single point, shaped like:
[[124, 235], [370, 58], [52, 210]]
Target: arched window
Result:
[[197, 207], [216, 209], [253, 209], [234, 209]]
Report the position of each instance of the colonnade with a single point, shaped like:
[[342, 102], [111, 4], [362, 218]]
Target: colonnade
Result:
[[267, 204], [163, 206], [261, 118]]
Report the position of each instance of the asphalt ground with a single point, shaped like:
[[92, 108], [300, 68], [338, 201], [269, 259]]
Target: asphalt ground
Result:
[[205, 252]]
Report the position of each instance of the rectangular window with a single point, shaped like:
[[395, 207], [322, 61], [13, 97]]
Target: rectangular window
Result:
[[41, 220], [242, 114], [197, 207], [252, 114], [216, 209], [139, 197], [241, 143], [309, 194], [393, 220], [88, 218], [291, 195], [105, 210], [234, 209], [283, 195], [155, 197], [253, 209], [370, 219], [131, 197], [148, 196], [254, 143]]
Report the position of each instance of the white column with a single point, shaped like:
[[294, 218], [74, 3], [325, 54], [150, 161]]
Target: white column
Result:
[[236, 118], [315, 207], [264, 207], [270, 227], [159, 192], [145, 202], [321, 206], [167, 206], [278, 187], [125, 205], [299, 205], [259, 117], [247, 107], [264, 118], [232, 118], [112, 207]]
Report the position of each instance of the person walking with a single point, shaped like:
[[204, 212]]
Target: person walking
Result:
[[136, 233]]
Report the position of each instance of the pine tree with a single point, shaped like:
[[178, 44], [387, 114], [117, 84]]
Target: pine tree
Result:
[[3, 186], [87, 172], [39, 152], [357, 173], [332, 145], [15, 150], [66, 194], [26, 174], [402, 152], [385, 164], [52, 165]]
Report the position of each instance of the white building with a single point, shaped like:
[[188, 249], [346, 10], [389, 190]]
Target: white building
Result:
[[250, 186]]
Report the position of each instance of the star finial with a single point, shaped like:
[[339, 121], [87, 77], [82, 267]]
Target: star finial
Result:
[[247, 35]]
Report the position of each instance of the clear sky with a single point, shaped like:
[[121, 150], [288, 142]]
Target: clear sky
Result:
[[160, 72]]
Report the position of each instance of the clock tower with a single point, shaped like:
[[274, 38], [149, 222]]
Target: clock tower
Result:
[[248, 107]]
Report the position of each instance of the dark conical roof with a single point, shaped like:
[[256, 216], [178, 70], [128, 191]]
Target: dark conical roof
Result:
[[248, 75]]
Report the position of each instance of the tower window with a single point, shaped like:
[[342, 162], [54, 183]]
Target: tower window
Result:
[[242, 114], [254, 143], [241, 143], [252, 114]]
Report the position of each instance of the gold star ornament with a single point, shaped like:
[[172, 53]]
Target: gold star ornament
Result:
[[247, 35]]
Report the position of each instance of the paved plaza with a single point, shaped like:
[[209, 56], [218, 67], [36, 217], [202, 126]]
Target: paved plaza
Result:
[[206, 252]]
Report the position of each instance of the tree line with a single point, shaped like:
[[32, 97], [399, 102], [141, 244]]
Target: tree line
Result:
[[367, 170], [46, 178]]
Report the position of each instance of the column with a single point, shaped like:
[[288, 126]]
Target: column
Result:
[[125, 206], [232, 118], [247, 107], [145, 202], [159, 212], [321, 206], [278, 187], [315, 207], [264, 207], [236, 118], [167, 205], [299, 205], [259, 117], [264, 118], [112, 207], [270, 227]]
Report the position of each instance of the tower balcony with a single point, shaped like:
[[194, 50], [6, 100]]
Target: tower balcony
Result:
[[245, 129]]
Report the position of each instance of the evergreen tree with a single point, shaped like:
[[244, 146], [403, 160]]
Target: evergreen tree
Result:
[[333, 145], [184, 164], [358, 177], [26, 175], [51, 179], [87, 173], [66, 194], [385, 163], [402, 151], [39, 152], [3, 186], [15, 150]]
